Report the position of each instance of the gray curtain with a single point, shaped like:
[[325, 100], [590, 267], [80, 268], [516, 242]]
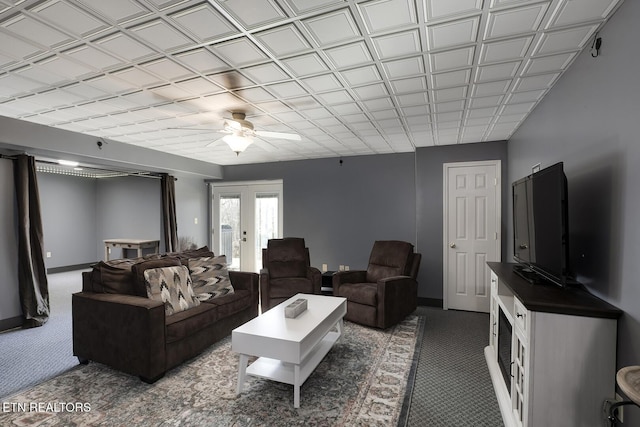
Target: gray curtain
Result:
[[169, 224], [32, 275]]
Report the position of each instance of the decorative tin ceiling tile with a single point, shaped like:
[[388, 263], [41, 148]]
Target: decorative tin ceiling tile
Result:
[[351, 77]]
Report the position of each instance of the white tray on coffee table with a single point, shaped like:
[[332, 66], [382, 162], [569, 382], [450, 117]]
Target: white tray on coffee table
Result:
[[289, 349]]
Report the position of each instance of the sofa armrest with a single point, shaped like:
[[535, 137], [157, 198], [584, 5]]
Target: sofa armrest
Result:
[[265, 301], [123, 331], [314, 275], [247, 281], [397, 297], [352, 276]]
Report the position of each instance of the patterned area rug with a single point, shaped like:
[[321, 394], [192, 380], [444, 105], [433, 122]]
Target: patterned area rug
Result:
[[365, 380]]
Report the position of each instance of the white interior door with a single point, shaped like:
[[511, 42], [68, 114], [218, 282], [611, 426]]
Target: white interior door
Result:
[[471, 233], [244, 217]]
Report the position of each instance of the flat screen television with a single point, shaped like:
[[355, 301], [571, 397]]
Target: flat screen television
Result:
[[540, 226]]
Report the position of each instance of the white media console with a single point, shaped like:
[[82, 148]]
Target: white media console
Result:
[[551, 352]]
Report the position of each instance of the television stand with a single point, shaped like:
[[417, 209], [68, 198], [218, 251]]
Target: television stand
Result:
[[561, 352]]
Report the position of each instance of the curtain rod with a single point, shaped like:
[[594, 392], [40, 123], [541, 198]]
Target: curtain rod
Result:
[[152, 175]]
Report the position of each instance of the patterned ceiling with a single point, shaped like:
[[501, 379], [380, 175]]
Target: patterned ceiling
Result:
[[351, 77]]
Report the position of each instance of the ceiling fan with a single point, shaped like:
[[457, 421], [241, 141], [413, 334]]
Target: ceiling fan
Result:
[[240, 133]]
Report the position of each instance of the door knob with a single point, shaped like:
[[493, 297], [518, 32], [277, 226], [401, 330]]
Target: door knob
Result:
[[452, 245]]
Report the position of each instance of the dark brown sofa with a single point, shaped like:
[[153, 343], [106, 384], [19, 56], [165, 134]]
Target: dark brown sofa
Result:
[[116, 324], [387, 291]]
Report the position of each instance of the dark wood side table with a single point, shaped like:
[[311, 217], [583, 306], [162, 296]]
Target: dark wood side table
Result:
[[327, 283]]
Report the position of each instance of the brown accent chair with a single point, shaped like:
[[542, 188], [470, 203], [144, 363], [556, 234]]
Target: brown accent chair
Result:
[[286, 271], [387, 291]]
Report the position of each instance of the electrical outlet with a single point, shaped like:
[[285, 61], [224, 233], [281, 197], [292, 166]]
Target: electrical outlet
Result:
[[324, 268], [346, 268], [620, 408], [608, 403], [341, 267], [48, 254], [195, 220]]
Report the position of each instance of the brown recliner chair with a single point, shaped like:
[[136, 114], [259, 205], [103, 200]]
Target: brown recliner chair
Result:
[[286, 271], [387, 291]]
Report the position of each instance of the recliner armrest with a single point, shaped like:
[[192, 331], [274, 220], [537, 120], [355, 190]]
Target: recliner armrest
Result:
[[397, 280], [397, 297], [314, 275], [352, 276]]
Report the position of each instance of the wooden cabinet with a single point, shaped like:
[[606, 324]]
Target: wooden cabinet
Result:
[[557, 350]]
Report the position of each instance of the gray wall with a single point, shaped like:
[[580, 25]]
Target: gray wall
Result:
[[341, 209], [430, 161], [130, 207], [79, 213], [590, 121], [9, 303], [191, 203], [68, 206], [127, 207]]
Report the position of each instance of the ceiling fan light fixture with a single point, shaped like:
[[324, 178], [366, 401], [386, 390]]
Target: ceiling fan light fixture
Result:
[[237, 143]]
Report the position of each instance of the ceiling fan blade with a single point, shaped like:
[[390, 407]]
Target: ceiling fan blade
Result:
[[214, 143], [198, 129], [279, 135], [202, 130], [266, 146]]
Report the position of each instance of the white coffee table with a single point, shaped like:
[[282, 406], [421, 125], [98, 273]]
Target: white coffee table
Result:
[[289, 349]]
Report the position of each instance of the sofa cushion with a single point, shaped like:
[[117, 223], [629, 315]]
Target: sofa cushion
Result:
[[389, 258], [210, 277], [188, 322], [361, 293], [123, 263], [172, 286], [137, 270], [287, 258], [286, 287], [231, 303], [109, 279], [184, 256]]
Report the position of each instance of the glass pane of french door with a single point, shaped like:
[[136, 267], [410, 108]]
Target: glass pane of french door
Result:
[[230, 235], [266, 222]]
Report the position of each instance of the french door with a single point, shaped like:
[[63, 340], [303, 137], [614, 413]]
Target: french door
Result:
[[245, 215]]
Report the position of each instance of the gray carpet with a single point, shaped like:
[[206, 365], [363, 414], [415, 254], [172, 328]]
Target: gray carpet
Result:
[[30, 356], [451, 386]]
